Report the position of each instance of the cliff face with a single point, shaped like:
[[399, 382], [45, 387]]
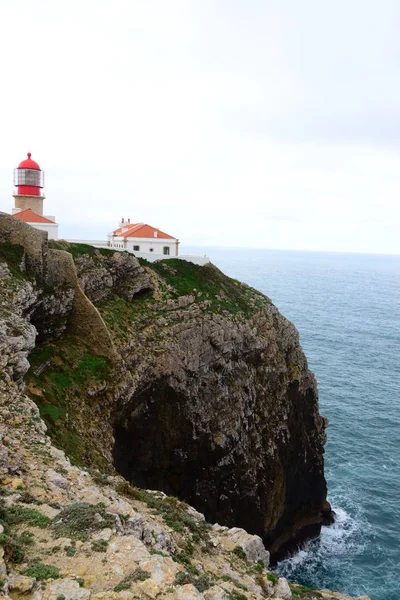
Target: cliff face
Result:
[[180, 378]]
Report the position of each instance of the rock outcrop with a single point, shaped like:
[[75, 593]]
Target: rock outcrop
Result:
[[174, 376], [206, 394]]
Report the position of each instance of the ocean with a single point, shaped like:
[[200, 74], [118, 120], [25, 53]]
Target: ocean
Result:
[[347, 310]]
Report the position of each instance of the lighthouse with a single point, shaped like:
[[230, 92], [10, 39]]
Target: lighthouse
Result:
[[29, 181], [29, 196]]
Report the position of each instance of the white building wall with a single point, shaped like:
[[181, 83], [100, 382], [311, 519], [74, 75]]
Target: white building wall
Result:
[[51, 228], [147, 245]]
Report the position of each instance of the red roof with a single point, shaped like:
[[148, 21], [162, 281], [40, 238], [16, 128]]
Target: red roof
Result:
[[141, 230], [29, 216], [28, 163]]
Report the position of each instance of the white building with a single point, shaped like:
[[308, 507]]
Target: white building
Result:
[[142, 238], [38, 221]]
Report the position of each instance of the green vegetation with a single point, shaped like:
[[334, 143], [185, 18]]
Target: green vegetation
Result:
[[182, 578], [99, 545], [67, 370], [240, 553], [120, 314], [42, 571], [136, 575], [27, 538], [207, 283], [259, 567], [70, 550], [175, 516], [78, 250], [75, 249], [126, 489], [13, 515], [234, 595], [100, 479], [202, 583], [13, 551], [13, 255], [12, 543], [303, 592], [272, 578], [176, 278], [57, 381], [79, 520], [28, 498]]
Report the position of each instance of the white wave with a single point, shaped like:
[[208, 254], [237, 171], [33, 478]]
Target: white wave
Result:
[[336, 544]]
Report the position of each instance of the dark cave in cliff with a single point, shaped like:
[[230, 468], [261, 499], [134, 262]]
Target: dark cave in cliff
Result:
[[157, 447]]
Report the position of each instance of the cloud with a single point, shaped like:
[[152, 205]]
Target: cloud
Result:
[[257, 123]]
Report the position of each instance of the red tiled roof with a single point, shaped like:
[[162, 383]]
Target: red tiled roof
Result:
[[141, 230], [29, 216]]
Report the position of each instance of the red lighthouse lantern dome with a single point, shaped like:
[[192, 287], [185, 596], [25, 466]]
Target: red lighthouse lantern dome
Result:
[[29, 178]]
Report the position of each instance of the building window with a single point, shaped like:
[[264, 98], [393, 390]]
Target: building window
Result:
[[166, 250], [136, 248]]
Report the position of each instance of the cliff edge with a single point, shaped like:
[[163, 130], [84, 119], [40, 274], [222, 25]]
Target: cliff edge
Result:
[[173, 376]]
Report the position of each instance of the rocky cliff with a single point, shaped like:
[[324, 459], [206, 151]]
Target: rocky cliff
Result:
[[173, 376]]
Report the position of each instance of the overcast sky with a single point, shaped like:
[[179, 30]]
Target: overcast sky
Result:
[[257, 123]]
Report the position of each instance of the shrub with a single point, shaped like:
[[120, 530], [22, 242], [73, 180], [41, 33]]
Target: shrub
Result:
[[13, 551], [203, 583], [80, 519], [70, 550], [99, 545], [28, 498], [14, 515], [272, 578], [239, 552], [136, 575], [27, 538], [175, 516], [259, 567], [126, 489], [234, 595], [42, 571], [100, 479], [304, 592], [182, 578]]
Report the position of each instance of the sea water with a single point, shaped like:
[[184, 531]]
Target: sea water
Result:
[[347, 310]]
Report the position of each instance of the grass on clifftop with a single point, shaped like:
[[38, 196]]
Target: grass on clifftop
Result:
[[206, 283], [78, 249], [183, 278]]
